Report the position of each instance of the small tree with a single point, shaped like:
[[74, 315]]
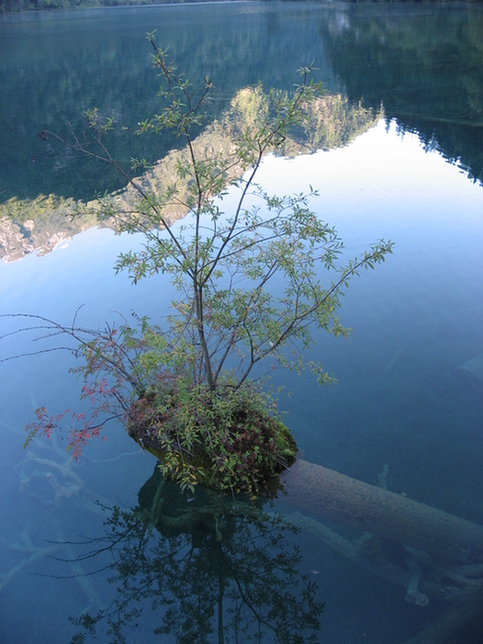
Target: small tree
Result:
[[249, 290]]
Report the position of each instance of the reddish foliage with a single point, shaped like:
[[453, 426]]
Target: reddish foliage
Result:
[[81, 427]]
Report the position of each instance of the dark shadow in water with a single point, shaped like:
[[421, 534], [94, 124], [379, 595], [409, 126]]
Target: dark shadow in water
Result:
[[51, 69], [210, 568]]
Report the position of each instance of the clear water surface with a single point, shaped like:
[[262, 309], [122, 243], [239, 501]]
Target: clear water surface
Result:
[[401, 400]]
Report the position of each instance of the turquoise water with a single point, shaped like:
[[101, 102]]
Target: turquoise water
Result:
[[401, 399]]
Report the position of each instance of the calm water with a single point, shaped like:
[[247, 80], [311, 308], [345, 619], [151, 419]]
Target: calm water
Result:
[[413, 176]]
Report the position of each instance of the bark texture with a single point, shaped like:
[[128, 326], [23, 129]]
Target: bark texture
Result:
[[316, 490]]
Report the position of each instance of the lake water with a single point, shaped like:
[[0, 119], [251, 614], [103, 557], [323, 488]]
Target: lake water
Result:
[[405, 162]]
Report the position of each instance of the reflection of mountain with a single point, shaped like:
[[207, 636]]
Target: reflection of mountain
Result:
[[40, 224], [53, 66], [424, 67], [214, 570]]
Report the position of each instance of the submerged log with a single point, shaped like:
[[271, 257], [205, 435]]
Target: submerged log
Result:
[[325, 493], [445, 627]]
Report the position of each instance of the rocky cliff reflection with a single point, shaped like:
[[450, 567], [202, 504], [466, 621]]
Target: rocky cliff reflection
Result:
[[421, 66]]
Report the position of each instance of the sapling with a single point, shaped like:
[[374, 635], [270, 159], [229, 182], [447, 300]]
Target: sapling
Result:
[[253, 282]]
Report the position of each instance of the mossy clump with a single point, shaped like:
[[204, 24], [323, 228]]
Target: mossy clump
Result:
[[229, 439]]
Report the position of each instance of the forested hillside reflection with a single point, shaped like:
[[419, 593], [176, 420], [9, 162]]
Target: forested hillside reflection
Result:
[[425, 64], [425, 67], [28, 225], [53, 66]]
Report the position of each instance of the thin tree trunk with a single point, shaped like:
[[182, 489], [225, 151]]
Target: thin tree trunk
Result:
[[201, 334]]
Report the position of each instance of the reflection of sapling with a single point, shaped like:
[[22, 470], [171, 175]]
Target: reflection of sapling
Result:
[[214, 571], [186, 391]]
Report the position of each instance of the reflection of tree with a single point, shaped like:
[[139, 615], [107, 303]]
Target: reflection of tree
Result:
[[48, 77], [424, 67], [215, 569]]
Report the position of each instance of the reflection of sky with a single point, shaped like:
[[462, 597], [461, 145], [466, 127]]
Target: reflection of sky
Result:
[[386, 185], [380, 168], [78, 273]]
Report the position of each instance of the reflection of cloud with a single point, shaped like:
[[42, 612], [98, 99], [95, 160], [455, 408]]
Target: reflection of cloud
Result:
[[339, 21]]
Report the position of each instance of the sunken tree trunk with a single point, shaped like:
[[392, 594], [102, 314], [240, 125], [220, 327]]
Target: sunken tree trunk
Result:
[[316, 490]]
